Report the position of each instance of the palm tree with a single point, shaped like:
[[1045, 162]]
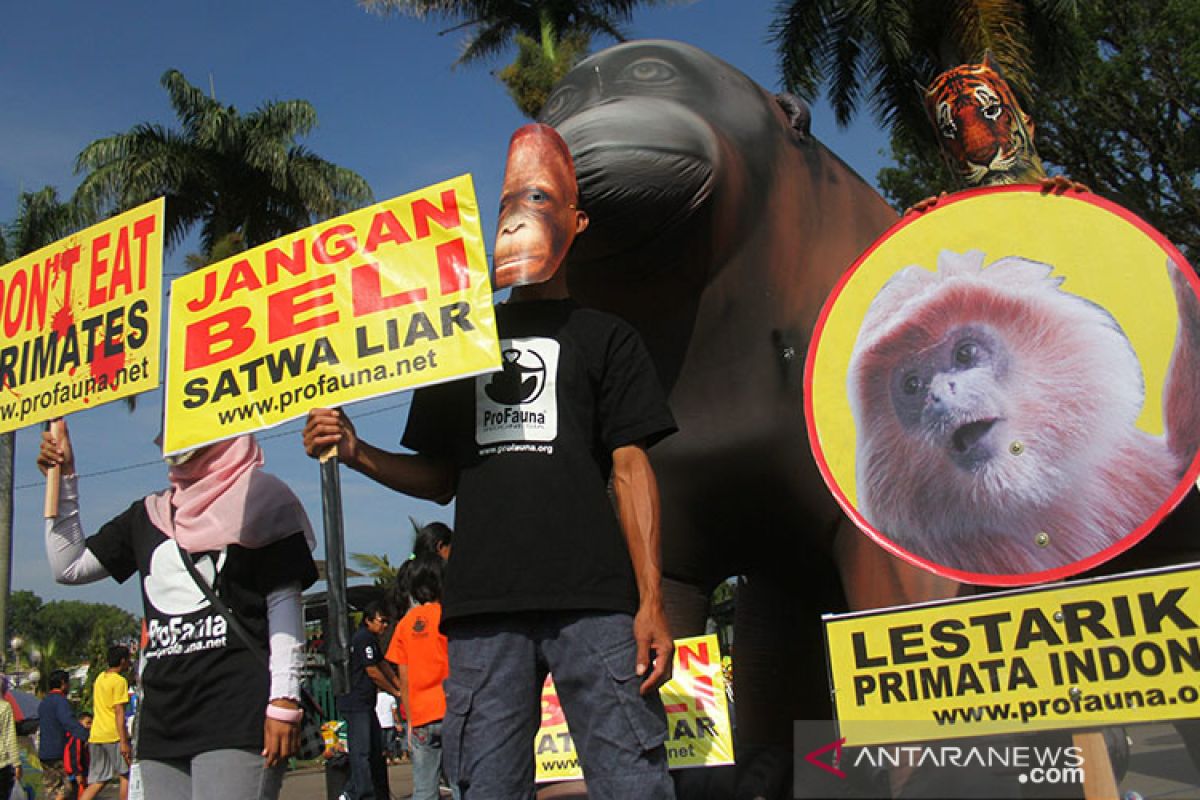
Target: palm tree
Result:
[[41, 219], [874, 51], [551, 35], [377, 567], [227, 172]]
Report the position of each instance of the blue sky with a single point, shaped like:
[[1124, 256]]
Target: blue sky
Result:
[[390, 108]]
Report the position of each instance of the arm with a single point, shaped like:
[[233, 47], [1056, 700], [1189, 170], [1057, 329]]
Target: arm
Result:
[[285, 626], [70, 560], [383, 677], [636, 491], [123, 732], [411, 474], [68, 722], [402, 680]]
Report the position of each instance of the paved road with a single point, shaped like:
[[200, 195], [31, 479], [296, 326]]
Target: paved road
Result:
[[309, 784]]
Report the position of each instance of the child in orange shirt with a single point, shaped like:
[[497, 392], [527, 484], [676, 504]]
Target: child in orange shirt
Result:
[[419, 651]]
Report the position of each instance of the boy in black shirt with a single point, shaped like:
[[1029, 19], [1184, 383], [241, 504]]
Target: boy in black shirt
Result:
[[543, 576], [364, 737]]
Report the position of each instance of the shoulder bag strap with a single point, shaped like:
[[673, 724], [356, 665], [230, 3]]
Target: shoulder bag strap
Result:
[[219, 605], [232, 621]]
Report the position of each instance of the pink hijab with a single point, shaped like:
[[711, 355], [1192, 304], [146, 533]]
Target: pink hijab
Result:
[[221, 497]]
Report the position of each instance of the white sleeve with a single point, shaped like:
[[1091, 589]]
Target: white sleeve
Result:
[[285, 623], [70, 560]]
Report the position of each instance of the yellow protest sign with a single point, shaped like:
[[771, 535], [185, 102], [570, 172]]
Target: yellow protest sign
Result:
[[386, 298], [1103, 652], [698, 729], [80, 319]]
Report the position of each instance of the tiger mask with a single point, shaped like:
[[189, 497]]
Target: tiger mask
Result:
[[984, 135]]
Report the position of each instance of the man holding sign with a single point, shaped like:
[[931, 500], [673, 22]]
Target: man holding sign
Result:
[[544, 576]]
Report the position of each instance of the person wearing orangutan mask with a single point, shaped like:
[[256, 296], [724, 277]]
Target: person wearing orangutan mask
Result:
[[546, 574]]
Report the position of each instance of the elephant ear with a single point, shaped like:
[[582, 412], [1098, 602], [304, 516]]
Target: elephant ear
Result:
[[798, 113]]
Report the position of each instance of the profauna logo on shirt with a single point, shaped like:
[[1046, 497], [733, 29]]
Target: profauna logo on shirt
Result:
[[519, 403]]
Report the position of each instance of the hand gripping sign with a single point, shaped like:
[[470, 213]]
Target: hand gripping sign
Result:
[[1006, 390], [80, 319], [386, 298]]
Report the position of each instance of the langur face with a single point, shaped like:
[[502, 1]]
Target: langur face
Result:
[[951, 394], [538, 215]]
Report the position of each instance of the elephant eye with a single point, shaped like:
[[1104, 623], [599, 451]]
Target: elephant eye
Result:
[[559, 102], [648, 70]]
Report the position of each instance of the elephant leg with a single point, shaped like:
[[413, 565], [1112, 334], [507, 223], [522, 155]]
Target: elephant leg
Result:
[[781, 683], [874, 578]]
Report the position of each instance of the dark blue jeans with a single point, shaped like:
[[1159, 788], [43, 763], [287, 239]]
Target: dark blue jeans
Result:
[[368, 770], [493, 705]]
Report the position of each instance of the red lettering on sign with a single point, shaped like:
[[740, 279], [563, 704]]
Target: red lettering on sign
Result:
[[122, 273], [385, 228], [453, 271], [687, 655], [552, 713], [334, 244], [216, 338], [367, 289], [141, 231], [15, 296], [39, 293], [241, 276], [705, 694], [97, 295], [295, 264], [446, 216], [284, 306]]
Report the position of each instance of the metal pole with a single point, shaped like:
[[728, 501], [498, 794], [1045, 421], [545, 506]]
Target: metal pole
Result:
[[337, 638], [7, 446]]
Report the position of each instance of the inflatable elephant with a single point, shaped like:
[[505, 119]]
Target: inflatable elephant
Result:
[[718, 228]]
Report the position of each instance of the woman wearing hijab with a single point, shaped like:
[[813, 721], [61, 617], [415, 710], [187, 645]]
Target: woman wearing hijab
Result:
[[216, 722]]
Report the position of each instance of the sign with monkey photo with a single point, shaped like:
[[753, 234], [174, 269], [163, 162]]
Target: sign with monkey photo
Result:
[[1005, 390]]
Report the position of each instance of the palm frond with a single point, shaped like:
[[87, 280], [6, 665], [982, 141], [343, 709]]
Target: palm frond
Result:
[[490, 39], [228, 173], [800, 35]]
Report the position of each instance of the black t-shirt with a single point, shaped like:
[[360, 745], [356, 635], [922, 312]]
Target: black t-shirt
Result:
[[533, 443], [364, 652], [204, 689]]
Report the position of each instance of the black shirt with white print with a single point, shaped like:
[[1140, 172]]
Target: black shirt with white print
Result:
[[203, 688], [535, 527], [364, 652]]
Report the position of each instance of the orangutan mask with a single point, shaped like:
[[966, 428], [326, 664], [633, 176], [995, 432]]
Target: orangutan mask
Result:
[[538, 215]]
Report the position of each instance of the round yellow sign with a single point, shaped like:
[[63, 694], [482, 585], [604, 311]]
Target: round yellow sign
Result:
[[1006, 389]]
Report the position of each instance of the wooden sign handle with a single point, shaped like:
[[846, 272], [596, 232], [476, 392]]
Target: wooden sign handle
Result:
[[1099, 782], [50, 506]]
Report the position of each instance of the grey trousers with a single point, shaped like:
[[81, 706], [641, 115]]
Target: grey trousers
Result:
[[215, 775], [493, 705]]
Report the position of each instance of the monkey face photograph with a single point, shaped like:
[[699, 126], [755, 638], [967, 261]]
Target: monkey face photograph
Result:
[[1019, 411]]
